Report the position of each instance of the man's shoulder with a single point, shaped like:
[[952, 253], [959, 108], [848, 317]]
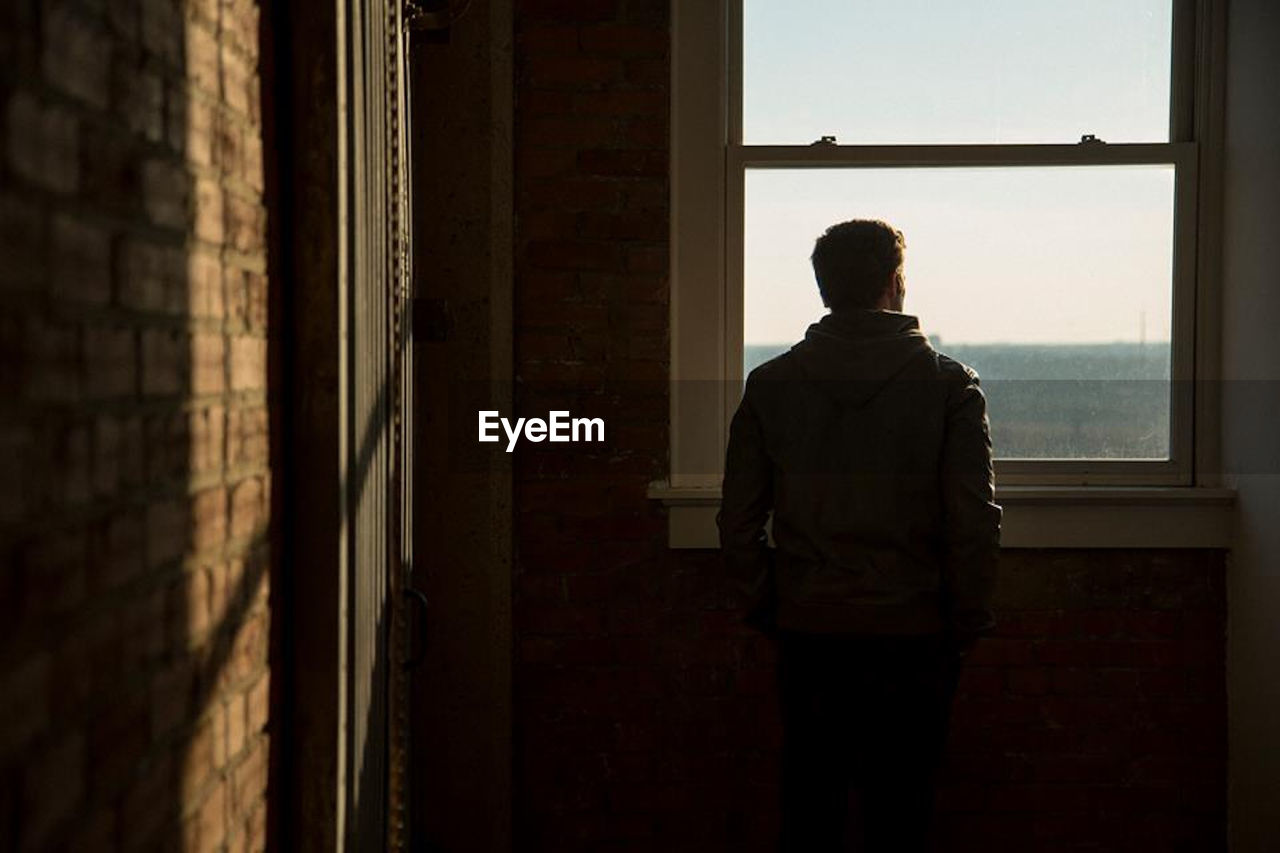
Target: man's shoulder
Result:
[[956, 370], [781, 366]]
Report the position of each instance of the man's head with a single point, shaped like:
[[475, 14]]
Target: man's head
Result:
[[858, 264]]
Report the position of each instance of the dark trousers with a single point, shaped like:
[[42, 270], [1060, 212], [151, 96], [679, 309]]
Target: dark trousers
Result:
[[864, 723]]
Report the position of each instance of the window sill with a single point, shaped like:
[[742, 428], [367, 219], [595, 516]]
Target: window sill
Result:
[[1034, 516]]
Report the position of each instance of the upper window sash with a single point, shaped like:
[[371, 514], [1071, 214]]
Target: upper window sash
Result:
[[708, 162], [1184, 52]]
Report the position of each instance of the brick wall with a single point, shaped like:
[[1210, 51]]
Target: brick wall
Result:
[[133, 444], [645, 715]]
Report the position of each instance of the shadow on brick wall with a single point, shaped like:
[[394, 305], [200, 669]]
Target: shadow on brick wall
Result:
[[134, 437]]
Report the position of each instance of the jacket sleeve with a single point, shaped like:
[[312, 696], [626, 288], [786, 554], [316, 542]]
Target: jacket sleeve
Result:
[[971, 517], [746, 499]]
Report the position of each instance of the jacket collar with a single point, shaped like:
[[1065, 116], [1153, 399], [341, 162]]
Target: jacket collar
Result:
[[865, 323]]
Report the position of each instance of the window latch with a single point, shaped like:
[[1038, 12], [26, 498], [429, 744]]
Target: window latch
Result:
[[825, 140], [1090, 139]]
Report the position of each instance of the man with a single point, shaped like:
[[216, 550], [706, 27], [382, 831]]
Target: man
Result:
[[872, 452]]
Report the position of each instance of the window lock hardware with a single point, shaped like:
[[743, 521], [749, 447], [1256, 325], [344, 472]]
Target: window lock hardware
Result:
[[1090, 139], [825, 140]]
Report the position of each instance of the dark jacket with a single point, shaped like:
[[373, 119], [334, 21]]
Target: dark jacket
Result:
[[872, 451]]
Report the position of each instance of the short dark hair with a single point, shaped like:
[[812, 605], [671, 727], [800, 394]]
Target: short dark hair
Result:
[[855, 262]]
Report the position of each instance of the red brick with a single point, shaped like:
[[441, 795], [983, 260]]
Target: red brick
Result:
[[111, 369], [615, 40], [201, 58], [572, 194], [81, 262], [247, 436], [234, 714], [165, 193], [258, 702], [142, 275], [200, 756], [240, 26], [52, 786], [1028, 680], [545, 162], [139, 99], [204, 285], [109, 301], [43, 143], [237, 80], [248, 508], [245, 224], [198, 130], [22, 241], [250, 778], [152, 784], [208, 515], [119, 550], [647, 72], [207, 435], [24, 714], [248, 363], [255, 285], [615, 103], [165, 356], [568, 132], [1073, 680], [625, 226], [251, 162], [249, 652], [575, 255], [564, 620], [162, 30], [50, 357], [209, 211], [569, 10], [206, 829], [172, 696], [547, 40], [208, 363], [77, 54]]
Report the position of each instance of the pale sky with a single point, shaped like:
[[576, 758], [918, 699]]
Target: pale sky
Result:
[[1030, 254]]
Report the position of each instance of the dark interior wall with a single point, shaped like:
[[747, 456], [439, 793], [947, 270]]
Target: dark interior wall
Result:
[[461, 691], [1250, 410], [134, 465], [644, 714]]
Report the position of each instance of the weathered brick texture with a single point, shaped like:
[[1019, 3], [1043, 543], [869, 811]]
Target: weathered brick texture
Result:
[[646, 715], [133, 448]]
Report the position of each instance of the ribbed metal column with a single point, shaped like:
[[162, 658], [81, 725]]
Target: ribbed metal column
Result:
[[375, 352]]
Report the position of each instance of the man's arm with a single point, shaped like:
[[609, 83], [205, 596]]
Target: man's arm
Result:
[[971, 517], [746, 498]]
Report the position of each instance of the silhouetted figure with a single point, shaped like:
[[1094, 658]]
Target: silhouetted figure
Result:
[[872, 452]]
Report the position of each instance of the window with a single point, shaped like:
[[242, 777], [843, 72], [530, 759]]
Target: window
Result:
[[1043, 161]]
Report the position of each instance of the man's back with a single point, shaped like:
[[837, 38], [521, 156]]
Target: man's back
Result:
[[872, 451]]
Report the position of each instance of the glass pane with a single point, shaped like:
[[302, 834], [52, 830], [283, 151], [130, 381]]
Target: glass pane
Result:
[[1055, 284], [922, 71]]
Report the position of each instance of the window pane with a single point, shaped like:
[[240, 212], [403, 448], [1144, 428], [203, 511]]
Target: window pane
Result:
[[1054, 283], [921, 71]]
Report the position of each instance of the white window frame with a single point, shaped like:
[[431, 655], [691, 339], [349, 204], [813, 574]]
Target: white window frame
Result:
[[708, 162]]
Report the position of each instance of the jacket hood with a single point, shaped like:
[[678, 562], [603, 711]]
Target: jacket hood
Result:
[[859, 352]]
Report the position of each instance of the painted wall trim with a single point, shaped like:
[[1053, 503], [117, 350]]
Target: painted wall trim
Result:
[[1034, 517]]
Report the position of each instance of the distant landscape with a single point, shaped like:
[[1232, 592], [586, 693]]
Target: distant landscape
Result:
[[1066, 401]]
